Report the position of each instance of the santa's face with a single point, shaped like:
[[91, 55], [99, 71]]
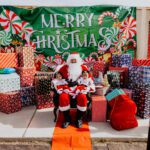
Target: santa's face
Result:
[[74, 68]]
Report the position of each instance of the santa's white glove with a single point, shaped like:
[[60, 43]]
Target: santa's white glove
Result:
[[85, 91], [78, 91], [74, 96], [66, 91], [59, 91]]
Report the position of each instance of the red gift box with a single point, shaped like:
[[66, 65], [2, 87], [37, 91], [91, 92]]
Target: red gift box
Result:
[[44, 101], [141, 62], [98, 66], [8, 60], [26, 80], [26, 71], [26, 56], [99, 107], [26, 75], [10, 102]]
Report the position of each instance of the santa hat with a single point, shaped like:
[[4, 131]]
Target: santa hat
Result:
[[74, 55]]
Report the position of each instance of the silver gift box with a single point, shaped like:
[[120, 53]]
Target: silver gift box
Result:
[[9, 82]]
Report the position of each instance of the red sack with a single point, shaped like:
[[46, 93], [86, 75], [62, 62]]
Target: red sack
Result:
[[123, 111]]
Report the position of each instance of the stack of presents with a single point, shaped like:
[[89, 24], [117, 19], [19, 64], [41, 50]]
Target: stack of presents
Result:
[[129, 79], [20, 84]]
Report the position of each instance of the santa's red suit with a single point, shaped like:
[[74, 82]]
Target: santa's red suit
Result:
[[72, 74], [64, 98]]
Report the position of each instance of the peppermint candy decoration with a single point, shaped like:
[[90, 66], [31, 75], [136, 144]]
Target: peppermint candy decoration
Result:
[[112, 34], [48, 61], [10, 22], [5, 38], [88, 59], [122, 42], [26, 31], [132, 41], [59, 61], [121, 9], [128, 27], [104, 14]]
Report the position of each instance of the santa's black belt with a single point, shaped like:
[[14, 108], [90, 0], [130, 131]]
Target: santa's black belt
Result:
[[72, 84]]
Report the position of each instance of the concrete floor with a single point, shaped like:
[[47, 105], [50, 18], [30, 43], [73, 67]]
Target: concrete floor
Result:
[[38, 124]]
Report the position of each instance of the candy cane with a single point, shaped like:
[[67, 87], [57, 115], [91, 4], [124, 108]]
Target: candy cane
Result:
[[133, 41], [59, 61], [104, 14]]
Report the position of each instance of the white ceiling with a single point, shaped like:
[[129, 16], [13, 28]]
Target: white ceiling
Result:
[[139, 3]]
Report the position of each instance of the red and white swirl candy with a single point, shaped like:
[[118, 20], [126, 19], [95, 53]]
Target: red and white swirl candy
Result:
[[88, 59], [10, 22], [26, 31], [104, 14], [128, 27], [59, 61], [48, 61]]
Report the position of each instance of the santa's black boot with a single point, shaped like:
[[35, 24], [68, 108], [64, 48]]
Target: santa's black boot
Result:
[[79, 119], [66, 122]]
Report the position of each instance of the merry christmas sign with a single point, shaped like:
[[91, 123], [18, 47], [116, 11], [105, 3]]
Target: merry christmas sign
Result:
[[57, 31]]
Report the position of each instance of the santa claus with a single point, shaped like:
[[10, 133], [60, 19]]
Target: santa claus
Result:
[[71, 72]]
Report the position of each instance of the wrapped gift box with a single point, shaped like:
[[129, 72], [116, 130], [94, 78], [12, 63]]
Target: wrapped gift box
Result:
[[141, 62], [9, 82], [141, 96], [10, 102], [25, 71], [122, 60], [26, 76], [26, 56], [139, 74], [43, 82], [44, 101], [99, 108], [8, 60], [27, 80], [27, 96], [98, 66]]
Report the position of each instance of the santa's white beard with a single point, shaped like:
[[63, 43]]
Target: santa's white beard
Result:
[[74, 71]]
